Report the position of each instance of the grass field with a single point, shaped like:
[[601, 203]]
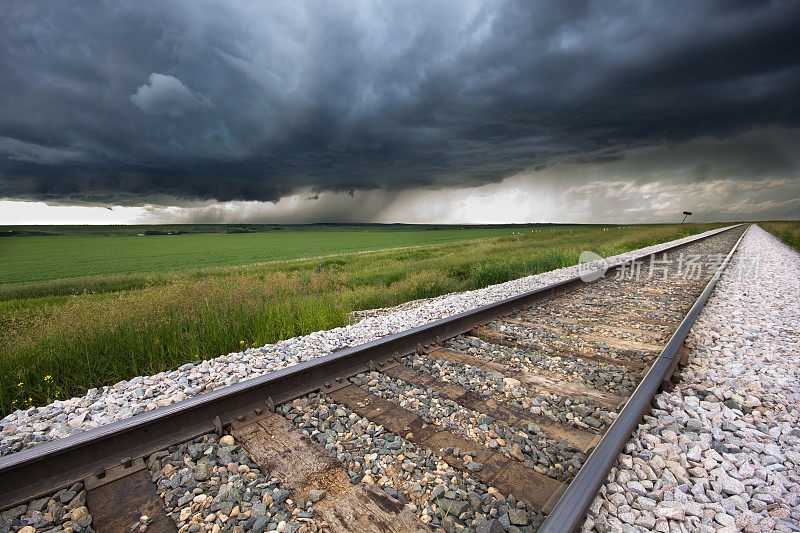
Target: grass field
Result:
[[786, 231], [34, 259], [61, 337]]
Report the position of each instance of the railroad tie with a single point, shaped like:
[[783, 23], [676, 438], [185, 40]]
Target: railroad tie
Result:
[[567, 313], [559, 327], [658, 336], [303, 465], [553, 385], [581, 440], [540, 492], [493, 336], [121, 496], [629, 306], [690, 291]]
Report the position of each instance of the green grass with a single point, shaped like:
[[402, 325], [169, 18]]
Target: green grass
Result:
[[786, 231], [33, 259], [59, 338]]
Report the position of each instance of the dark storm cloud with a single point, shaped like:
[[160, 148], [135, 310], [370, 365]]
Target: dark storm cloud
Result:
[[134, 102]]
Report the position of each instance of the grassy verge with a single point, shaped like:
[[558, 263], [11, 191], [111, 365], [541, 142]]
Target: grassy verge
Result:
[[64, 341], [786, 231]]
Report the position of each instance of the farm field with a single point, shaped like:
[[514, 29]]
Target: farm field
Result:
[[41, 258], [60, 337]]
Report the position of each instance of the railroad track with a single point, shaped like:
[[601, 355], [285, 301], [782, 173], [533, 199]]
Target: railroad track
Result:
[[504, 418]]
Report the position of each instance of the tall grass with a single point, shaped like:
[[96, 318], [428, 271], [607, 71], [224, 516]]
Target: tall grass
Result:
[[69, 338], [786, 231]]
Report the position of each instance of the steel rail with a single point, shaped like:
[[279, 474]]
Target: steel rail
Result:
[[571, 508], [38, 471]]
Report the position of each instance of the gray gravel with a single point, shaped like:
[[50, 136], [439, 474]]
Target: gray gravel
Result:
[[211, 484], [596, 375], [63, 511], [25, 429], [439, 495], [721, 452], [557, 460], [556, 407]]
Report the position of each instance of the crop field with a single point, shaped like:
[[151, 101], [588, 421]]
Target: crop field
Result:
[[43, 258], [60, 337]]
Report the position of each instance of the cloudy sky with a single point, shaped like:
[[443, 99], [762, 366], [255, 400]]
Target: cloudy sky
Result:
[[447, 111]]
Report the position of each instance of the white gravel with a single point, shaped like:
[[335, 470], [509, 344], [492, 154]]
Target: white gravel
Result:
[[722, 450], [25, 429]]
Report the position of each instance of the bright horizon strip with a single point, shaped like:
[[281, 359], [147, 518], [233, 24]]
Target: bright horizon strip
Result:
[[39, 213]]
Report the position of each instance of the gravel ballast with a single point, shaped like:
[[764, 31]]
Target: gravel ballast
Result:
[[531, 447], [721, 451], [211, 484], [101, 406], [493, 384], [63, 511], [439, 495], [590, 373]]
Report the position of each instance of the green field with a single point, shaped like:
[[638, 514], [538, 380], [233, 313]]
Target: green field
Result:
[[44, 258], [60, 337]]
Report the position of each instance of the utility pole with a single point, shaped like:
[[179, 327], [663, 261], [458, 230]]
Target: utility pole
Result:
[[685, 214]]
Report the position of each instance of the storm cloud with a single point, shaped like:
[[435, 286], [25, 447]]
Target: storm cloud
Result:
[[175, 103]]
